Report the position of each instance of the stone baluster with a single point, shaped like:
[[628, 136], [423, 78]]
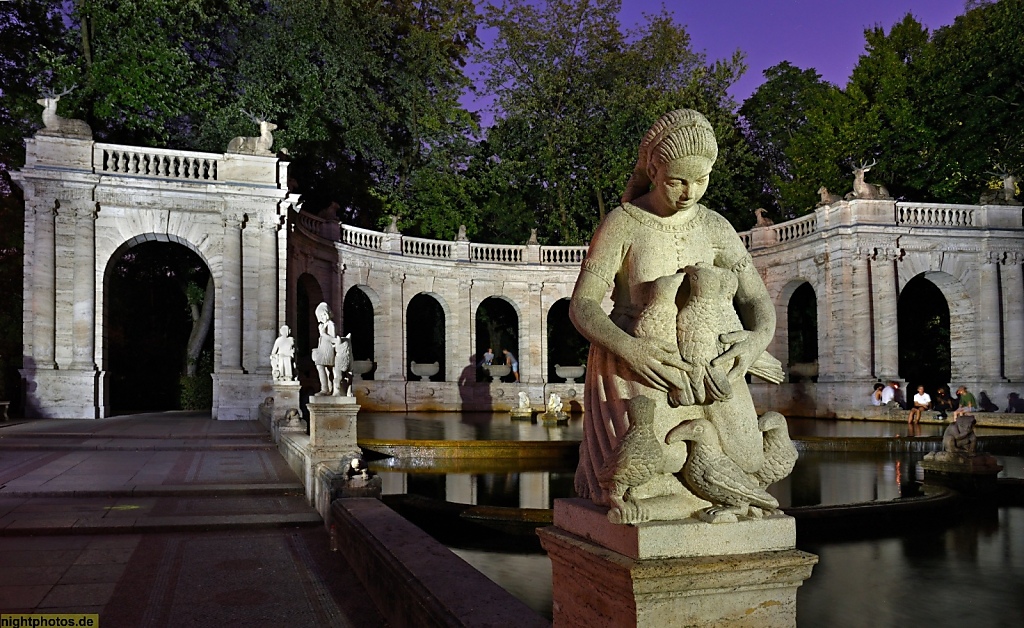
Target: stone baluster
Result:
[[1012, 279], [44, 289], [231, 295], [84, 342], [885, 292]]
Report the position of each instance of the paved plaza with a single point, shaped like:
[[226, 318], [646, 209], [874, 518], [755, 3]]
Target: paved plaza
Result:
[[165, 519]]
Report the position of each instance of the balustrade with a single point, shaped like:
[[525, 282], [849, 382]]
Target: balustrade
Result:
[[502, 253], [795, 229], [153, 162], [934, 215], [361, 238], [422, 247], [562, 254]]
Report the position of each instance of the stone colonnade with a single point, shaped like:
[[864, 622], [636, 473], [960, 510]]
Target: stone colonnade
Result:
[[391, 270], [87, 203], [858, 257]]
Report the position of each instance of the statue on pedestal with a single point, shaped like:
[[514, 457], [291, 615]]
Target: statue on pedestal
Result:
[[282, 356], [667, 367], [332, 356]]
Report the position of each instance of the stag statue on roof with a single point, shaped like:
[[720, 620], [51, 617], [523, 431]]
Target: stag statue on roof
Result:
[[254, 145], [56, 125]]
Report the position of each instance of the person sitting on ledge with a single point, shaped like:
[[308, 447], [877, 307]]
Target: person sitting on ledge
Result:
[[876, 395], [922, 402], [968, 404], [943, 403], [889, 393], [1014, 403]]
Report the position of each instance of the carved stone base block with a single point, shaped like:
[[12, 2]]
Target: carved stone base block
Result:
[[594, 586], [286, 397], [975, 474], [674, 539], [332, 427]]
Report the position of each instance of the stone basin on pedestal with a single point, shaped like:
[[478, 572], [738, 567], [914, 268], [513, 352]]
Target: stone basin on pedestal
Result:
[[497, 370], [362, 367], [424, 371], [570, 373]]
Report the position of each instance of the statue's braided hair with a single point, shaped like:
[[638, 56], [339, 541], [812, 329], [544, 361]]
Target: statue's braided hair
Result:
[[679, 133]]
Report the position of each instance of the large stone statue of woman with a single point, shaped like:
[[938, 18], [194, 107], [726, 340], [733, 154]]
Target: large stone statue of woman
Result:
[[670, 430]]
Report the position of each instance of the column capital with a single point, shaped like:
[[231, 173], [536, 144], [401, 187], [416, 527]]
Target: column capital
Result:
[[233, 219]]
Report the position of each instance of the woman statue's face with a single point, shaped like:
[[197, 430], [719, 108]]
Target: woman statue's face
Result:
[[679, 184]]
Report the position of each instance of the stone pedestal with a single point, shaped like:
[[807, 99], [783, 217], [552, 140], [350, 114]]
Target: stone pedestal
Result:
[[332, 427], [970, 474], [286, 397], [679, 573]]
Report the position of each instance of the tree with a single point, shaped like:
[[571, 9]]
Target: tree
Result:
[[973, 96], [790, 103], [574, 94]]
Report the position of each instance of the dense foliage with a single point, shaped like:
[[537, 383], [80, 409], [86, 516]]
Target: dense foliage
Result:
[[940, 112]]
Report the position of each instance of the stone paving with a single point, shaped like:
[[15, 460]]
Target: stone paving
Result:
[[165, 520]]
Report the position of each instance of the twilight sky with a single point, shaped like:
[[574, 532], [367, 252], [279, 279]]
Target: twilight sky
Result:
[[827, 35]]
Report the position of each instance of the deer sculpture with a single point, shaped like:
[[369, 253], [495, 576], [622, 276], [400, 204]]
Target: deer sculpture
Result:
[[1002, 196], [56, 125], [827, 198], [864, 190], [762, 218], [254, 145]]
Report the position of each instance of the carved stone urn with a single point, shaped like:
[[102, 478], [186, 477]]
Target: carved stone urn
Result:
[[425, 371], [570, 373]]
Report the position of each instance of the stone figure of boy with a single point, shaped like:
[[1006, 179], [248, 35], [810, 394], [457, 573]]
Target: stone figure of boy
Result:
[[282, 356]]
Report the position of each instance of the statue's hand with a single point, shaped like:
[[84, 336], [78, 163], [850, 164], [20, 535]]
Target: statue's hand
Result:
[[658, 364], [743, 350]]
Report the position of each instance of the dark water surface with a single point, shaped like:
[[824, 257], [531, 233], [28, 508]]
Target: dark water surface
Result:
[[969, 572]]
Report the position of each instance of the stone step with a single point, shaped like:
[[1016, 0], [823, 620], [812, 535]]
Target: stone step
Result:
[[136, 514]]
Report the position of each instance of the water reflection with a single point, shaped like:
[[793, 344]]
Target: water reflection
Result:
[[461, 426], [971, 574], [819, 479]]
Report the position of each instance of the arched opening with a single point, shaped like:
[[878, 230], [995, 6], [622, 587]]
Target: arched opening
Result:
[[425, 335], [566, 346], [155, 294], [497, 328], [924, 342], [308, 296], [802, 328], [358, 321]]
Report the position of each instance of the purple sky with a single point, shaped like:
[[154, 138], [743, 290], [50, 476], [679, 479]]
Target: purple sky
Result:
[[827, 35]]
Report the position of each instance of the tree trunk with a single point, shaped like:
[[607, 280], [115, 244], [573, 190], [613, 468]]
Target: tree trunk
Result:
[[200, 330], [600, 204]]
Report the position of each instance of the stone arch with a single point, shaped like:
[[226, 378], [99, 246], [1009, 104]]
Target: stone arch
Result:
[[106, 260], [963, 353], [566, 346], [362, 325], [308, 294], [435, 349], [780, 344], [493, 330], [802, 331], [154, 374]]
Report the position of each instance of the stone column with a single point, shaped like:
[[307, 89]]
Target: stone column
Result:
[[1012, 280], [983, 360], [267, 320], [860, 311], [885, 294], [532, 362], [44, 289], [84, 344], [231, 295]]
